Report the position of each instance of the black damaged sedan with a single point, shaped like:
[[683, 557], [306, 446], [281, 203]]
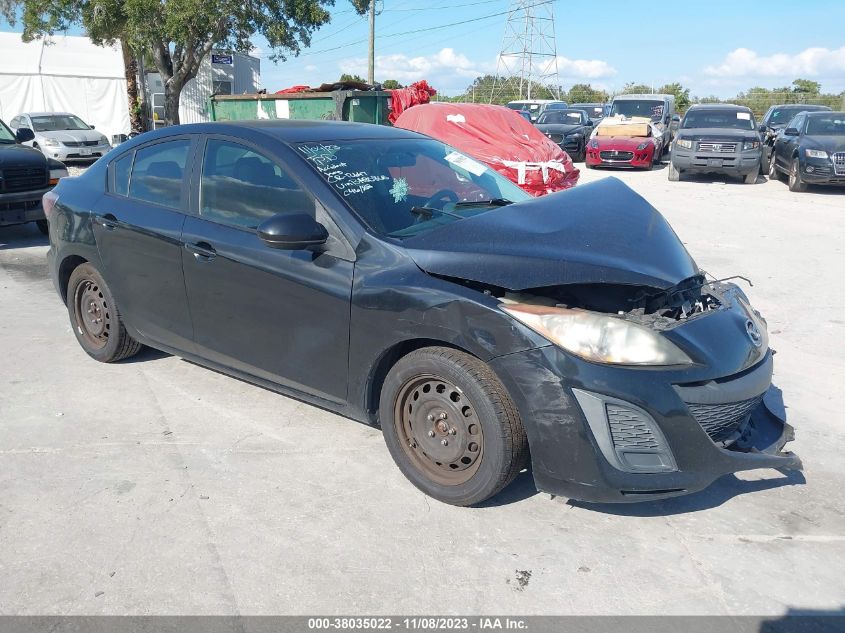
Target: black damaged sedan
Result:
[[385, 276]]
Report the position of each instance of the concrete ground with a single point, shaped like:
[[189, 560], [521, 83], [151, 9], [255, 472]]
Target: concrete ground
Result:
[[158, 487]]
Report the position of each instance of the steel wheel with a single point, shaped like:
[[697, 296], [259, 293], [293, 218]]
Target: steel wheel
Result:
[[438, 429], [93, 318]]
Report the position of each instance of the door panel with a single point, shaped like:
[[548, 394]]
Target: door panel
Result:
[[140, 247], [277, 314]]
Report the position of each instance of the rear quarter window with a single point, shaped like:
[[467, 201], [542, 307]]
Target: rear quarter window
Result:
[[120, 174], [158, 172]]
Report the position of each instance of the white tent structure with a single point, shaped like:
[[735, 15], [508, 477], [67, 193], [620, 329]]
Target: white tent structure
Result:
[[65, 74]]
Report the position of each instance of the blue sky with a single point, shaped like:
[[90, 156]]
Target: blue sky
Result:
[[711, 46]]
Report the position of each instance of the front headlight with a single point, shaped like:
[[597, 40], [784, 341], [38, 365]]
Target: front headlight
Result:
[[599, 337], [51, 142], [642, 146], [684, 142], [594, 144], [574, 135], [815, 153], [103, 140], [750, 145]]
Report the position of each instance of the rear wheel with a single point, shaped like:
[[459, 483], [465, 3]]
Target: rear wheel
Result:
[[674, 174], [451, 426], [95, 318], [795, 182]]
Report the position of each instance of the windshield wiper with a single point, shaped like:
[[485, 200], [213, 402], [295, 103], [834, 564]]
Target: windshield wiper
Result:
[[493, 202], [427, 211]]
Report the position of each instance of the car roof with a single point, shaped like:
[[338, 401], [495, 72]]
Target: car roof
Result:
[[285, 130], [825, 113], [719, 106], [46, 114], [800, 106]]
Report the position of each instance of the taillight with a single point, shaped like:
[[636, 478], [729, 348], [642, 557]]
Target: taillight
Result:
[[48, 202]]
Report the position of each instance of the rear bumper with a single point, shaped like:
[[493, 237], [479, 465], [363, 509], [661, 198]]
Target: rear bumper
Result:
[[21, 207], [581, 448]]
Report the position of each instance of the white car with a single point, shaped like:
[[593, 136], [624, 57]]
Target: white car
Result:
[[62, 135]]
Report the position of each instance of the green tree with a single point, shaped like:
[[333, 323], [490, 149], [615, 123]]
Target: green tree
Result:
[[806, 86], [681, 94], [585, 93], [391, 84], [348, 77], [634, 88], [179, 34]]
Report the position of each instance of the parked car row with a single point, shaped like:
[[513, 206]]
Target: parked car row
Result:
[[33, 150]]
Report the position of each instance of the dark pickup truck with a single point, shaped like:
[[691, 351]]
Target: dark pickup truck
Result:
[[25, 175]]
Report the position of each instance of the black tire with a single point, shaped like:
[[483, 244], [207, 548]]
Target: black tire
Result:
[[582, 155], [99, 329], [488, 443], [43, 226], [796, 184], [674, 174], [774, 172]]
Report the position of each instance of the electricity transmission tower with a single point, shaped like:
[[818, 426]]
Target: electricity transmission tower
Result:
[[529, 52]]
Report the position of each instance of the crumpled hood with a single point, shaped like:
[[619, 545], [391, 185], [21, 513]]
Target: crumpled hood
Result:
[[602, 232]]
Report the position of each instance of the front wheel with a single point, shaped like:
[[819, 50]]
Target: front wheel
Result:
[[451, 426], [795, 182], [774, 172], [95, 318], [751, 178]]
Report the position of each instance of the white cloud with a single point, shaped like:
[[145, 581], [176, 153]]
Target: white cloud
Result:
[[579, 69], [812, 62], [310, 68]]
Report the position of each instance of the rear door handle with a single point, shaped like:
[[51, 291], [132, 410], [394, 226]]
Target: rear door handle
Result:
[[107, 221], [202, 251]]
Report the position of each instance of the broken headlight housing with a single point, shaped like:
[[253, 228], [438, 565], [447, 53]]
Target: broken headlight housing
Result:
[[597, 337]]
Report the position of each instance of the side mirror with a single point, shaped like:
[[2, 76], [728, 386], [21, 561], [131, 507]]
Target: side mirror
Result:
[[791, 131], [292, 231], [24, 134], [589, 122], [762, 128], [91, 126], [676, 118]]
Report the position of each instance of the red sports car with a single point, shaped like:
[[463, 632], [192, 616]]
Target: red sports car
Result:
[[621, 151]]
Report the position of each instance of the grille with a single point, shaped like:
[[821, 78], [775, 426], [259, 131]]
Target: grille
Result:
[[839, 163], [629, 429], [80, 143], [717, 148], [23, 178], [555, 138], [721, 421], [616, 155]]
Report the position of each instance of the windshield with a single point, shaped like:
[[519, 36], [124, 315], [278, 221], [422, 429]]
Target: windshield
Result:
[[596, 110], [638, 107], [782, 116], [404, 187], [829, 125], [54, 122], [566, 117], [6, 134], [730, 119]]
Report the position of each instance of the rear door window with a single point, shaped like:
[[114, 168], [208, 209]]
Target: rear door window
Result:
[[158, 173]]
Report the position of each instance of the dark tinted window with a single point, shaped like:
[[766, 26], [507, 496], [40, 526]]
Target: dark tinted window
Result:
[[241, 187], [121, 169], [158, 171], [719, 118]]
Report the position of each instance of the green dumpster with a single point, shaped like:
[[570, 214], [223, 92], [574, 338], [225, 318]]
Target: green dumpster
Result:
[[339, 105]]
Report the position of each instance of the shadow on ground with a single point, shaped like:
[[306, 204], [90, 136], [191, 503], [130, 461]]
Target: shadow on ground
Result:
[[21, 236]]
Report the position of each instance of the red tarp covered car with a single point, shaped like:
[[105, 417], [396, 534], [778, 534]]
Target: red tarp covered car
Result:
[[498, 137]]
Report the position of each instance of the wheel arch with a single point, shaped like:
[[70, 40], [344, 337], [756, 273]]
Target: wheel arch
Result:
[[66, 268], [385, 363]]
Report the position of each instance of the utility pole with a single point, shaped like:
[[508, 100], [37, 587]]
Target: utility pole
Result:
[[371, 70]]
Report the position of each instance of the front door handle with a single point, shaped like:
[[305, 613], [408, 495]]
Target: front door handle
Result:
[[202, 251], [107, 221]]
